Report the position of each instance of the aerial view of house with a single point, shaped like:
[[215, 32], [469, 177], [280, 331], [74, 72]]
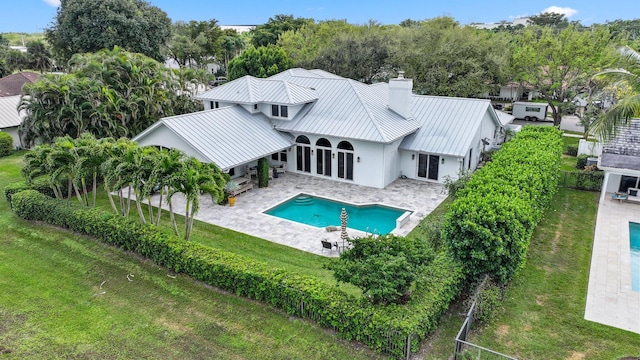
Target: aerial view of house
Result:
[[322, 124]]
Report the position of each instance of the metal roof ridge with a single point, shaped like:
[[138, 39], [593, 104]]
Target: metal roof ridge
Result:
[[366, 108]]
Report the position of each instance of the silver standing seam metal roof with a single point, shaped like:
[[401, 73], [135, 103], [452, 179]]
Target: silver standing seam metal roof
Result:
[[228, 136], [251, 90], [448, 124], [332, 106], [9, 116], [348, 109]]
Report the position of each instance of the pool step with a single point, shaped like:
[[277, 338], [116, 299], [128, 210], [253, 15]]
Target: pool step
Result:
[[304, 200]]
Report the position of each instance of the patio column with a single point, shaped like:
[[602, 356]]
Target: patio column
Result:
[[604, 187]]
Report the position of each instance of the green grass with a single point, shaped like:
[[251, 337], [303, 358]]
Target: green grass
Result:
[[570, 141], [68, 296], [568, 163], [542, 315]]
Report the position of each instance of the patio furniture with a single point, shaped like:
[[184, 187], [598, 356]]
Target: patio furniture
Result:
[[281, 169], [328, 245], [619, 196], [633, 195], [252, 171]]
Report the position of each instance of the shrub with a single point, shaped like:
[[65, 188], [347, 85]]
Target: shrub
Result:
[[581, 161], [454, 186], [263, 172], [40, 185], [572, 150], [6, 144], [487, 296], [383, 328], [490, 224], [384, 267]]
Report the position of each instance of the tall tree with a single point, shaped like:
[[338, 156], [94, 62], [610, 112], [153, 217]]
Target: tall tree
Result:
[[445, 59], [268, 33], [38, 56], [109, 94], [82, 26], [559, 64], [259, 62], [362, 55], [195, 42], [549, 19], [304, 45]]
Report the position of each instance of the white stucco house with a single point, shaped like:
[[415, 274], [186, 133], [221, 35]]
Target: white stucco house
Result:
[[10, 118], [620, 160], [320, 124]]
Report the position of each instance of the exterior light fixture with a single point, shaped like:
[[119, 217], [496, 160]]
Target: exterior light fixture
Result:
[[311, 152], [442, 161], [358, 158], [413, 156], [333, 155]]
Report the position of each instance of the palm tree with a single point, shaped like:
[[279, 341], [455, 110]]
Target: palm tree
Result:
[[628, 107], [167, 167], [113, 179], [61, 162]]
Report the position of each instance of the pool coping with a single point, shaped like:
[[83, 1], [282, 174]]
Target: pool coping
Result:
[[404, 211]]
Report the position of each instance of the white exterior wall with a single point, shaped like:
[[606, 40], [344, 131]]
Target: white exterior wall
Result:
[[161, 136], [371, 171], [391, 162], [614, 182], [13, 131]]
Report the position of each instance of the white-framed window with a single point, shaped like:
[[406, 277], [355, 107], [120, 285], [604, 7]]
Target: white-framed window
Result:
[[214, 104], [279, 111]]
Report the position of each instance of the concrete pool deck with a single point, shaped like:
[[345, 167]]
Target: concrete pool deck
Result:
[[610, 300], [247, 215]]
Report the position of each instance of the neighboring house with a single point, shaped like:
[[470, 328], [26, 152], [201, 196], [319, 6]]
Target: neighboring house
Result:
[[524, 21], [620, 161], [10, 119], [511, 92], [321, 124], [11, 85]]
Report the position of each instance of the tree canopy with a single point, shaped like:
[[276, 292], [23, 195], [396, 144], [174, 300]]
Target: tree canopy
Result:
[[110, 93], [267, 34], [195, 41], [559, 64], [82, 26], [260, 62]]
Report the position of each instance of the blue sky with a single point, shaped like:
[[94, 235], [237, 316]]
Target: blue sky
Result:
[[35, 15]]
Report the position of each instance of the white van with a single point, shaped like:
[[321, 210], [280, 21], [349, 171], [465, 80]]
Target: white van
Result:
[[530, 111]]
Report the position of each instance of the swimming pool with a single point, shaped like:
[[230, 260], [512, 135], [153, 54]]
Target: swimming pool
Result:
[[634, 243], [321, 212]]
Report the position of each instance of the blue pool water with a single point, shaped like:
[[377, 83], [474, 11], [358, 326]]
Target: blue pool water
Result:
[[321, 212], [634, 237]]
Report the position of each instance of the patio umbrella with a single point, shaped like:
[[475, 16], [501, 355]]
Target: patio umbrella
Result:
[[343, 226]]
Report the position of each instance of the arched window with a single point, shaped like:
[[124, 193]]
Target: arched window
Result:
[[303, 154], [345, 160], [323, 158]]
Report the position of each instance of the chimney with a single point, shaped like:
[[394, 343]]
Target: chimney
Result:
[[400, 95]]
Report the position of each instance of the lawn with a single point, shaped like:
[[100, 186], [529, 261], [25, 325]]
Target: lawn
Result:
[[68, 296], [542, 315]]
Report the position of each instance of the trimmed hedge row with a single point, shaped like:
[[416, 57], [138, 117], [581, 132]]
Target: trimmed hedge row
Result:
[[381, 328], [490, 224], [41, 185]]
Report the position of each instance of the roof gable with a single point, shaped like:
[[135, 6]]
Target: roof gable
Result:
[[228, 136], [448, 124], [251, 90]]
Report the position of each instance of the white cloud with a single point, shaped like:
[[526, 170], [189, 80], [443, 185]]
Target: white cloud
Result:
[[566, 11], [54, 3]]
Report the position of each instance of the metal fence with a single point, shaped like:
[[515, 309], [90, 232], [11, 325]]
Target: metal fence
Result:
[[467, 351], [582, 180]]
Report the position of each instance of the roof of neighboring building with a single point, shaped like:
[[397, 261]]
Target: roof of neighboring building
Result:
[[445, 124], [12, 84], [623, 152], [228, 136], [9, 116], [505, 118], [251, 90]]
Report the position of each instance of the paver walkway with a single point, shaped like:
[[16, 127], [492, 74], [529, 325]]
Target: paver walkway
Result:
[[247, 215], [610, 299]]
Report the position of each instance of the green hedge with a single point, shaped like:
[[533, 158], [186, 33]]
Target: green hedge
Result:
[[490, 224], [6, 144], [40, 184], [381, 328]]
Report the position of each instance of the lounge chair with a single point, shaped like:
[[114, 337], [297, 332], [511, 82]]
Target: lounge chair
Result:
[[328, 245]]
